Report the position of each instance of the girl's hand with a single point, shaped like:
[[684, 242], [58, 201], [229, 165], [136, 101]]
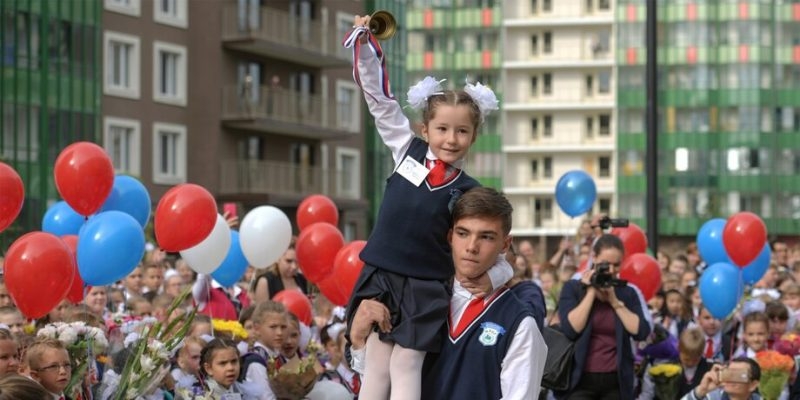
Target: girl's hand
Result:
[[479, 287], [359, 20]]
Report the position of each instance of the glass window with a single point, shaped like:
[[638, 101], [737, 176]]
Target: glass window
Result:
[[604, 167], [534, 45], [547, 5], [122, 144], [169, 73], [589, 85], [547, 83], [122, 65], [534, 86], [604, 5], [534, 7], [604, 82], [534, 169], [605, 124], [169, 153], [548, 167], [534, 128], [589, 126], [348, 109], [633, 204], [548, 126], [544, 210], [548, 42], [348, 171], [632, 163], [604, 205]]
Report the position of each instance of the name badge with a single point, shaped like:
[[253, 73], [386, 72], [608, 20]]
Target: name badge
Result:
[[231, 396], [413, 171]]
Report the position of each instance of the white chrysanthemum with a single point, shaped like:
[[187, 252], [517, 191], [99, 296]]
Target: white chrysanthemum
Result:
[[48, 331], [68, 337], [483, 97], [419, 93]]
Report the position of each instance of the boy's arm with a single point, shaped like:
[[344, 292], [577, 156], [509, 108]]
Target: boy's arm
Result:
[[523, 365]]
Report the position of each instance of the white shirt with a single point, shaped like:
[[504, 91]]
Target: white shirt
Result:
[[257, 374]]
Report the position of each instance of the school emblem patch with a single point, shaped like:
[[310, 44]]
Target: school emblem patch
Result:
[[491, 332]]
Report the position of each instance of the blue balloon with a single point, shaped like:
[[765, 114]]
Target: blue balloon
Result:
[[129, 196], [234, 264], [720, 288], [60, 219], [575, 193], [753, 272], [709, 242], [110, 246]]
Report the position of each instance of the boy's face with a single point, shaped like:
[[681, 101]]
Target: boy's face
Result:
[[142, 309], [15, 323], [133, 282], [5, 298], [9, 357], [476, 243], [153, 279], [689, 360], [708, 323], [450, 132], [792, 301], [271, 332], [53, 371]]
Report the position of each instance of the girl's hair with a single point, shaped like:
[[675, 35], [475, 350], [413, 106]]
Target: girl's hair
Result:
[[18, 387], [292, 319], [776, 309], [191, 340], [608, 241], [754, 317], [207, 354], [265, 308], [686, 304], [246, 314], [451, 98]]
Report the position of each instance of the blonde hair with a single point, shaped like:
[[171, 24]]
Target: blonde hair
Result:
[[33, 356], [691, 342], [265, 308]]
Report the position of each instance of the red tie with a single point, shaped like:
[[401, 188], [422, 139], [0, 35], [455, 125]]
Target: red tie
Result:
[[438, 172], [709, 348], [356, 384], [474, 309]]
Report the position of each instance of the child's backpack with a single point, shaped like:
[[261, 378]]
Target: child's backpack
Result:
[[256, 355]]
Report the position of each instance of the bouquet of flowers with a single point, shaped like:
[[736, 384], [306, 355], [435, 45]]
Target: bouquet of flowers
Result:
[[148, 363], [294, 379], [83, 343], [229, 328], [665, 377], [775, 370]]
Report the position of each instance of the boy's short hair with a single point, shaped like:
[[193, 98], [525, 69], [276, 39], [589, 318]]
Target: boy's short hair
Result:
[[6, 310], [134, 301], [792, 288], [162, 301], [265, 308], [691, 342], [486, 203], [33, 355], [150, 265]]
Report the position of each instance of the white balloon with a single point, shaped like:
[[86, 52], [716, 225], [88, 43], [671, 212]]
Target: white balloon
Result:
[[265, 235], [207, 256]]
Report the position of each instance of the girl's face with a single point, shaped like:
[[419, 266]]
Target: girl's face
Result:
[[271, 332], [755, 335], [450, 132], [96, 299], [697, 301], [792, 301], [287, 265], [520, 266], [292, 341], [612, 256], [675, 304], [656, 303], [547, 282], [250, 328], [332, 348], [189, 358], [777, 326], [224, 366]]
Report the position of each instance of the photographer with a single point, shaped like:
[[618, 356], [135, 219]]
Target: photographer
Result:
[[602, 314], [738, 381]]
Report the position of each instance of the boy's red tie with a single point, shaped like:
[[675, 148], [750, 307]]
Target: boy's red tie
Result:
[[355, 384], [709, 348], [474, 309], [438, 172]]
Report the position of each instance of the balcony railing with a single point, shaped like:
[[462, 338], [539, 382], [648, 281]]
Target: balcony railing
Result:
[[276, 33], [281, 178], [288, 112]]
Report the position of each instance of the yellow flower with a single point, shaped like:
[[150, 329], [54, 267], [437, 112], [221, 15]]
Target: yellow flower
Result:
[[233, 328], [667, 370]]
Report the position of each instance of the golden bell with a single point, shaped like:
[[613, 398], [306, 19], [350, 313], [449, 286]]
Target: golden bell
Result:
[[382, 25]]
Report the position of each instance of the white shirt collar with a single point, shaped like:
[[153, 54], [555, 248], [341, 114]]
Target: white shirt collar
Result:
[[430, 156]]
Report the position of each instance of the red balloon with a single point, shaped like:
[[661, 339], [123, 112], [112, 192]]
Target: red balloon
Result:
[[643, 271], [316, 250], [329, 287], [297, 303], [316, 208], [633, 238], [744, 236], [347, 266], [184, 217], [75, 293], [11, 197], [84, 177], [38, 271]]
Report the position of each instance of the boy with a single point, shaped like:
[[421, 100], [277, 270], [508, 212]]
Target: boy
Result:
[[140, 307], [690, 348], [12, 318], [9, 354], [50, 366], [718, 345], [791, 299], [270, 324], [153, 276]]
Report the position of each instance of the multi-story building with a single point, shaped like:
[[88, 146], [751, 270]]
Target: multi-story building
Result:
[[49, 94], [559, 99], [729, 122], [251, 99], [460, 41]]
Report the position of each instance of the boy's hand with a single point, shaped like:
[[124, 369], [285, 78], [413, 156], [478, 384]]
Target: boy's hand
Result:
[[359, 20], [479, 286], [709, 382]]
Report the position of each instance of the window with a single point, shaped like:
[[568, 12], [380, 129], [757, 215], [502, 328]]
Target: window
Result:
[[547, 83], [169, 73], [534, 45], [589, 85], [547, 37], [534, 170], [344, 23], [603, 5], [534, 86], [171, 12], [348, 108], [605, 124], [122, 65], [548, 167], [604, 206], [548, 126], [604, 167], [534, 7], [348, 168], [20, 132], [534, 128], [544, 210], [589, 126], [589, 6], [604, 82], [122, 143], [169, 153], [547, 5], [127, 7]]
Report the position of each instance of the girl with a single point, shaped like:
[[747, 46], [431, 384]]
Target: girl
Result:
[[219, 362], [188, 363], [291, 344], [407, 258], [280, 276], [755, 335], [679, 312]]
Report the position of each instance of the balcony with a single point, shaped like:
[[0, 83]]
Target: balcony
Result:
[[285, 180], [278, 34], [287, 112]]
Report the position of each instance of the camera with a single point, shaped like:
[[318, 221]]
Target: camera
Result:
[[603, 278], [607, 222]]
